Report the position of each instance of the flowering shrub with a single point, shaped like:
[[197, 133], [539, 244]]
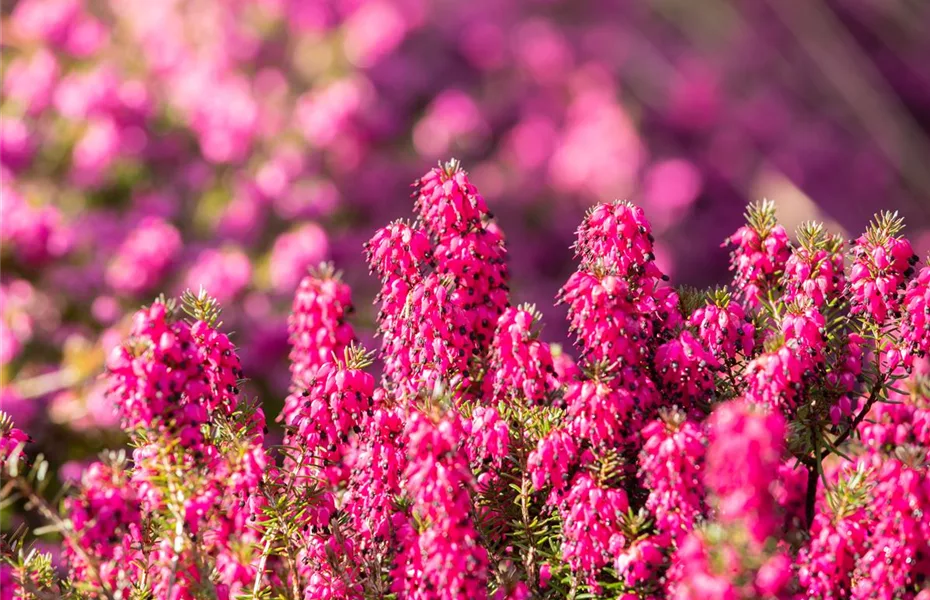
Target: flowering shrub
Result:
[[764, 441]]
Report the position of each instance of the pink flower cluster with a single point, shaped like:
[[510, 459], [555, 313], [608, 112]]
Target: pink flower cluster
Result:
[[107, 523], [672, 464], [746, 446], [883, 261], [870, 536], [35, 235], [731, 557], [173, 375], [521, 365], [725, 328], [443, 559], [721, 446], [760, 255], [12, 442], [443, 292], [144, 257], [916, 322], [815, 269], [318, 327]]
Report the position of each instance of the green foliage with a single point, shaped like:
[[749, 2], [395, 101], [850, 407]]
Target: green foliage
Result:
[[690, 299], [761, 217], [356, 357], [202, 307], [885, 225], [850, 493]]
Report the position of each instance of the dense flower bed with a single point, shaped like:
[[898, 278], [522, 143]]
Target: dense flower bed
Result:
[[765, 440], [246, 140]]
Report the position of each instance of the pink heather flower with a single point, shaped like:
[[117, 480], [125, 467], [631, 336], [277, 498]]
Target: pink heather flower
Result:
[[521, 366], [761, 251], [694, 578], [545, 575], [469, 247], [476, 261], [552, 463], [895, 556], [174, 571], [222, 273], [614, 302], [915, 323], [901, 423], [376, 465], [746, 445], [322, 576], [45, 20], [618, 236], [294, 252], [671, 463], [398, 251], [685, 369], [603, 414], [882, 262], [428, 344], [607, 327], [35, 235], [804, 329], [107, 525], [487, 439], [843, 374], [826, 563], [789, 488], [434, 323], [318, 327], [592, 518], [144, 257], [172, 375], [30, 81], [513, 591], [444, 559], [640, 563], [323, 416], [448, 203], [17, 144], [566, 370], [815, 271], [11, 584], [716, 569], [776, 379], [725, 329], [11, 441]]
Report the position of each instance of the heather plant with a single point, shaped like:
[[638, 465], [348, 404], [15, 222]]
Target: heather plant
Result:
[[767, 439]]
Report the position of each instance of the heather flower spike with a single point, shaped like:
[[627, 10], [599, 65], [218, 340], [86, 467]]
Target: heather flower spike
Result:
[[883, 261], [761, 251]]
